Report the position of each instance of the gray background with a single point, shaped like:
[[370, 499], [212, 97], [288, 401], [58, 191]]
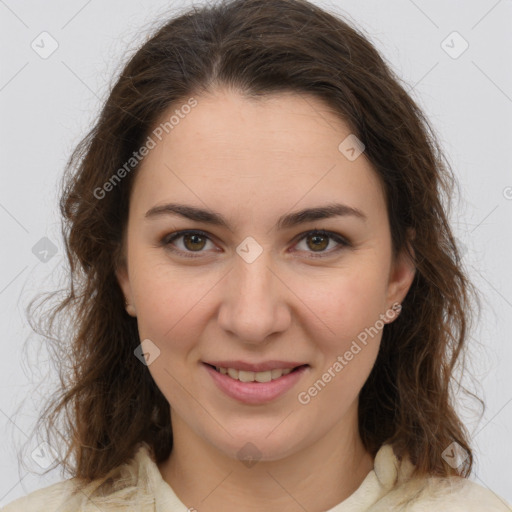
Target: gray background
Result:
[[47, 104]]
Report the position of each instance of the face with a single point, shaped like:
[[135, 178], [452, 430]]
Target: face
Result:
[[249, 285]]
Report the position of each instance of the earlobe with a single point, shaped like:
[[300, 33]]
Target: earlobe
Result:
[[124, 283], [392, 313], [402, 276], [130, 309]]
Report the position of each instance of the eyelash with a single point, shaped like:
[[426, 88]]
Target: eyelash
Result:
[[168, 239]]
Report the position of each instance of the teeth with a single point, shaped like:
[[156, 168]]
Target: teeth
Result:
[[263, 376], [276, 373], [244, 376]]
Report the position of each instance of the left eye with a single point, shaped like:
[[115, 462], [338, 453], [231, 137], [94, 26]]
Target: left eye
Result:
[[321, 239], [194, 241]]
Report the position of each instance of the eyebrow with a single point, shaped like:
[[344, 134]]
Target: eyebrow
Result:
[[286, 221]]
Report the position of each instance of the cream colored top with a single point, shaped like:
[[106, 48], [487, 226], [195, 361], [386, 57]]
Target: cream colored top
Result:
[[139, 486]]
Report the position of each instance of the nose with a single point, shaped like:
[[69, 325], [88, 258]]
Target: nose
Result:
[[254, 301]]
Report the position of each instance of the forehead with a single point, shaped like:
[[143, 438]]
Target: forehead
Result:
[[233, 151], [226, 125]]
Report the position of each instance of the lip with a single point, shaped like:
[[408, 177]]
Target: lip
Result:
[[255, 392], [256, 367]]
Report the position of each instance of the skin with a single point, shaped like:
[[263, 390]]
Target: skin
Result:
[[253, 161]]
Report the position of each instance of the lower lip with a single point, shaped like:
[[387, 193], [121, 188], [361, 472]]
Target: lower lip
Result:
[[255, 392]]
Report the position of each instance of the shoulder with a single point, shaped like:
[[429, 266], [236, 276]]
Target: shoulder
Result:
[[51, 498], [402, 491], [124, 488], [453, 494]]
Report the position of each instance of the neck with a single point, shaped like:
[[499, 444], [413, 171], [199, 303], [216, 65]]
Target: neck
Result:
[[315, 478]]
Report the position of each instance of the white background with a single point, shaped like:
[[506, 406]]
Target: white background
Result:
[[47, 105]]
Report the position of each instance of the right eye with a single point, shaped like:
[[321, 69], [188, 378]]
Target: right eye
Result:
[[193, 241]]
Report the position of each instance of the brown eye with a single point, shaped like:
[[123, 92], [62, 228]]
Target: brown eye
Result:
[[318, 242], [193, 241], [186, 243]]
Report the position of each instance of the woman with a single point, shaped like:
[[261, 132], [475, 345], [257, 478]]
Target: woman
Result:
[[267, 295]]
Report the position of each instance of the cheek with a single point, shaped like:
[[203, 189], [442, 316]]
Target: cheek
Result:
[[170, 314], [338, 385], [169, 305], [344, 305], [348, 348]]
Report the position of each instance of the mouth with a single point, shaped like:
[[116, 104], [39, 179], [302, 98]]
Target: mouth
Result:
[[253, 376], [255, 384]]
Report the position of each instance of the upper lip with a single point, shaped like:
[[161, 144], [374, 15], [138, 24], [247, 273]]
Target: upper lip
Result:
[[256, 367]]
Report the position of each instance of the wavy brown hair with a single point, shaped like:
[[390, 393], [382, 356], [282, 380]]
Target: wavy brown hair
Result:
[[107, 401]]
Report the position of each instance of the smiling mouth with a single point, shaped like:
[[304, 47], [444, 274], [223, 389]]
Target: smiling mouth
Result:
[[248, 376]]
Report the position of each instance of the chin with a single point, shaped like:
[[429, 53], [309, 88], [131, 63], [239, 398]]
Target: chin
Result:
[[259, 444]]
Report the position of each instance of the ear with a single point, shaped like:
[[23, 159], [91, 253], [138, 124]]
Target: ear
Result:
[[123, 279], [402, 273]]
